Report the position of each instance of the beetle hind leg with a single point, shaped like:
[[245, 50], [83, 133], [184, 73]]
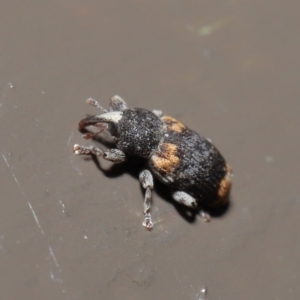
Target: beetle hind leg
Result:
[[185, 199]]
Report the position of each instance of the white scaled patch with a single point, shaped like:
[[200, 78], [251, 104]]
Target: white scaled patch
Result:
[[111, 117]]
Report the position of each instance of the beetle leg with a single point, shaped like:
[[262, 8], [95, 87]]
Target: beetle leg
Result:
[[189, 201], [146, 180], [81, 150], [157, 112], [95, 103], [113, 155], [117, 104], [185, 199], [91, 135], [205, 216]]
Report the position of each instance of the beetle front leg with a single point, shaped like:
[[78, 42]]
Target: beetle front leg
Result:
[[117, 104], [113, 155], [146, 180], [95, 103]]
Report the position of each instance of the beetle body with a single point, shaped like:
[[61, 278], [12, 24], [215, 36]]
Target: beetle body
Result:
[[180, 158], [188, 162]]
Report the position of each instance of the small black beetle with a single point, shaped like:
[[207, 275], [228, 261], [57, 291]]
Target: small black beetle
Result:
[[177, 156]]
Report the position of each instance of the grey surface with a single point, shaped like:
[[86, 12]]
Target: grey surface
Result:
[[228, 69]]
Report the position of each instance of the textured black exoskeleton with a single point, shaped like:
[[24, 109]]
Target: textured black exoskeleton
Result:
[[179, 157]]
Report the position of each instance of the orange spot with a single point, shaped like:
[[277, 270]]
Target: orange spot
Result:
[[166, 160], [173, 124], [225, 186]]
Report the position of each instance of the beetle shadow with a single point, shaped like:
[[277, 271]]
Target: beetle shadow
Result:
[[134, 165], [189, 214]]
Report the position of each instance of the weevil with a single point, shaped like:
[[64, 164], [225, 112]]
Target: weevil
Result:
[[189, 164]]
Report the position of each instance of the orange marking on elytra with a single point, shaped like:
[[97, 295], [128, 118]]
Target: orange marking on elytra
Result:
[[166, 159], [173, 124]]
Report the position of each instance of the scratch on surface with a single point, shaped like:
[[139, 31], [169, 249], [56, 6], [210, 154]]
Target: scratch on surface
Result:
[[23, 194], [70, 138], [51, 252], [14, 177], [79, 172], [54, 258], [35, 218], [63, 207]]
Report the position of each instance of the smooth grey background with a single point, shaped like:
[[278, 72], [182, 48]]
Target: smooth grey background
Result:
[[228, 69]]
